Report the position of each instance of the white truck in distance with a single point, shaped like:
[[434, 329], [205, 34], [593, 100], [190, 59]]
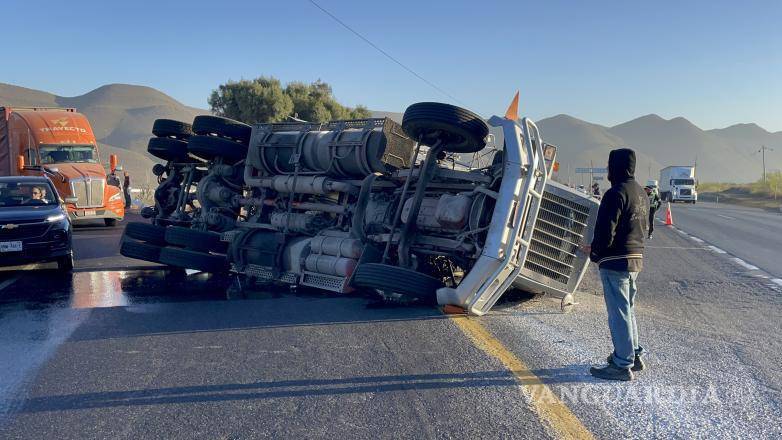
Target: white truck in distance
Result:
[[677, 183]]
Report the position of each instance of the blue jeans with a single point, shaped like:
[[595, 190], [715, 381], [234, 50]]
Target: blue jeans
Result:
[[619, 291]]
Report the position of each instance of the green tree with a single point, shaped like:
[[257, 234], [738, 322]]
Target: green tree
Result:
[[260, 100], [264, 100]]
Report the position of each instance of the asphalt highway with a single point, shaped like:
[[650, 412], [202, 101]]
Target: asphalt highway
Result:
[[121, 349], [751, 234]]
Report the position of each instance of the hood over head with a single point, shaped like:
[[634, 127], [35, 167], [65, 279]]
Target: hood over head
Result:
[[621, 165]]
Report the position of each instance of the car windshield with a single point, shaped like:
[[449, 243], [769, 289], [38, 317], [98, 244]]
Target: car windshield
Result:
[[26, 194], [51, 154], [683, 182]]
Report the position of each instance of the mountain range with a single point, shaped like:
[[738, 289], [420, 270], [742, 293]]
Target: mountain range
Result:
[[121, 116]]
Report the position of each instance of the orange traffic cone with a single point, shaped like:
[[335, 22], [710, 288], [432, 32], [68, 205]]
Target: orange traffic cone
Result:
[[668, 216]]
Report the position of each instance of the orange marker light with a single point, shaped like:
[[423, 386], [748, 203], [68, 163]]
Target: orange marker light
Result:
[[513, 108]]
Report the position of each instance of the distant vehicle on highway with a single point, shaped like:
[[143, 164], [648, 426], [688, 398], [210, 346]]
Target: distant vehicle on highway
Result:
[[58, 143], [34, 223], [677, 184]]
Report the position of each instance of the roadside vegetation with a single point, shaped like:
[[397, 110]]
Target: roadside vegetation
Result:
[[758, 194], [264, 99]]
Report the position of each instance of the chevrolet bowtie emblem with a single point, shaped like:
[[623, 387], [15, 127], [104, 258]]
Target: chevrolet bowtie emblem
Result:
[[9, 226]]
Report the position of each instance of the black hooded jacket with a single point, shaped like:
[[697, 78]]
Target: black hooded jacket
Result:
[[618, 242]]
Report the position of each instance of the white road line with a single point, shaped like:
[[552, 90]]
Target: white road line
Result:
[[9, 281], [777, 281], [717, 250], [680, 231], [726, 216], [744, 264], [696, 239]]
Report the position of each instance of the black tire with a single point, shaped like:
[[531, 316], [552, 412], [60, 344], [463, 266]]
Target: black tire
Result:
[[193, 239], [146, 232], [140, 251], [210, 147], [172, 128], [194, 260], [223, 127], [65, 263], [110, 222], [168, 149], [397, 280], [460, 130]]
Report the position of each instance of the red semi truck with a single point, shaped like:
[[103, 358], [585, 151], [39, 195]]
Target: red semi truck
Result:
[[59, 143]]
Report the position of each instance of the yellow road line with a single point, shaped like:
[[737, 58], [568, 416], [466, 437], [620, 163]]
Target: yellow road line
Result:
[[550, 409]]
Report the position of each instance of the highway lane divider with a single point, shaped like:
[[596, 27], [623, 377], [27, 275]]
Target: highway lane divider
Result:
[[777, 282], [549, 408]]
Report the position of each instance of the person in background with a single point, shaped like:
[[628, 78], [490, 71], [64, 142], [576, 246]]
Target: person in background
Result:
[[113, 180], [38, 193], [126, 190], [654, 205], [617, 248], [596, 189]]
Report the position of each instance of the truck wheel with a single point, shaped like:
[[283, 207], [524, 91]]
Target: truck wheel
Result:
[[194, 260], [394, 279], [210, 147], [193, 239], [172, 128], [460, 130], [65, 263], [110, 222], [223, 127], [168, 149], [146, 232], [140, 251]]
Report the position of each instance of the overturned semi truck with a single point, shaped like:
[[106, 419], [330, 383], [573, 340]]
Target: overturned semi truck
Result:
[[408, 211]]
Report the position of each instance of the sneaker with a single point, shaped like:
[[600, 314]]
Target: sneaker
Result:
[[638, 363], [611, 372], [650, 237]]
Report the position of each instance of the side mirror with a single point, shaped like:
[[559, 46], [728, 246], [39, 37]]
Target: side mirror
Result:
[[20, 162], [113, 161], [71, 200]]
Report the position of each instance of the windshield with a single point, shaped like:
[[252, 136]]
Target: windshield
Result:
[[51, 154], [26, 194], [680, 182]]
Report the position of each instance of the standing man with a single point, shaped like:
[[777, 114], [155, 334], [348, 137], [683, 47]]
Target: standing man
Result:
[[126, 190], [617, 247], [654, 205]]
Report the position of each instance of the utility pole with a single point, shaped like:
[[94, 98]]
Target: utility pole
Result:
[[762, 151]]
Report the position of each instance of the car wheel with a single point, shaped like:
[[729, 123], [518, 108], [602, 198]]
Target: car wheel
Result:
[[168, 149], [140, 251], [210, 147], [459, 130], [223, 127], [194, 260], [110, 222], [65, 263], [146, 232], [394, 279], [172, 128], [193, 239]]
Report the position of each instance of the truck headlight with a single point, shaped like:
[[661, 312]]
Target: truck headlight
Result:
[[115, 197]]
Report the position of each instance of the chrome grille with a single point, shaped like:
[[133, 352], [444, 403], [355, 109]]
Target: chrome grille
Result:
[[685, 192], [88, 191], [565, 220], [24, 230]]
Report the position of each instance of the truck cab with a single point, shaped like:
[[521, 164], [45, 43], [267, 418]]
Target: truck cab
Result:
[[678, 184], [59, 144]]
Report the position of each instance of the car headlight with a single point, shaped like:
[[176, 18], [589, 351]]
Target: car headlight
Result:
[[55, 218], [115, 197]]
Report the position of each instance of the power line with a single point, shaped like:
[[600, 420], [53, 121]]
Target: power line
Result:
[[386, 54]]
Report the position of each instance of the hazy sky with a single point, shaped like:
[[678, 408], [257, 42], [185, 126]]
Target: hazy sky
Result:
[[714, 62]]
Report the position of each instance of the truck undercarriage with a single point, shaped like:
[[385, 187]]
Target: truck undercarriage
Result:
[[408, 211]]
